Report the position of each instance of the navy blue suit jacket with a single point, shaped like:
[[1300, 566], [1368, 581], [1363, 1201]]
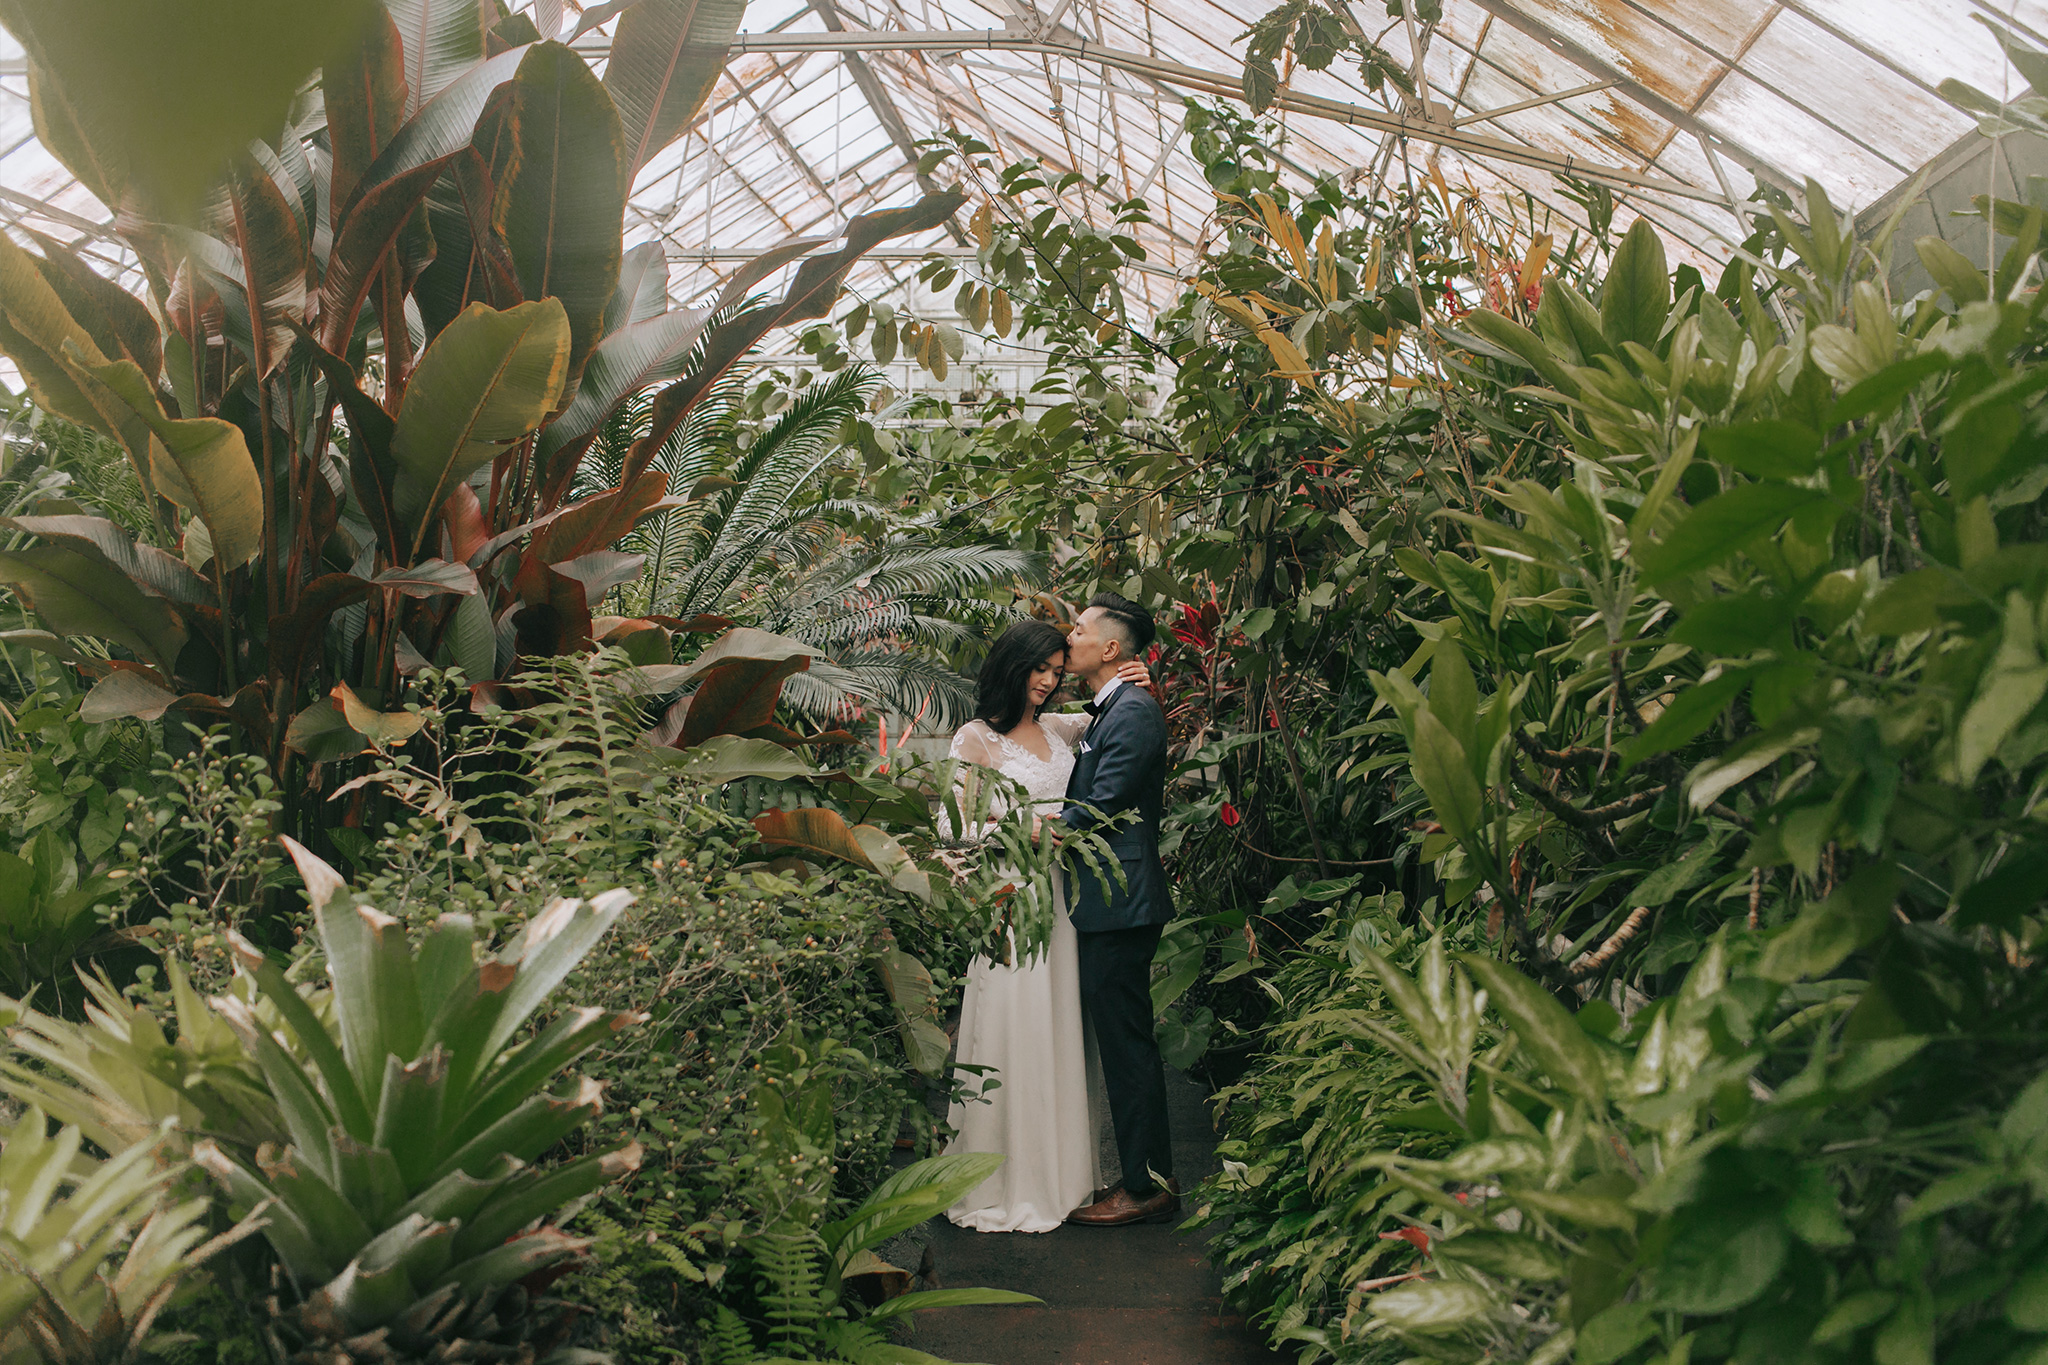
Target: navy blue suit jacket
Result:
[[1120, 766]]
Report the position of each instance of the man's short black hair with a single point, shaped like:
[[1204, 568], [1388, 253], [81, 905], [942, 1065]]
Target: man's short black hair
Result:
[[1133, 622]]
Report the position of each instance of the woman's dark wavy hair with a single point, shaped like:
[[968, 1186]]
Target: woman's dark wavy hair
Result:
[[1006, 672]]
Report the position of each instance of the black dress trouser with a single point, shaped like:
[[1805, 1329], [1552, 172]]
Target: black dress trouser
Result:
[[1116, 992]]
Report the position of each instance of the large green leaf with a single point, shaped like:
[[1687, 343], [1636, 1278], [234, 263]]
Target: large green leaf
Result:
[[158, 97], [666, 56], [204, 467], [152, 569], [624, 363], [119, 323], [1518, 341], [78, 592], [1722, 1257], [35, 332], [1722, 525], [562, 207], [364, 244], [1444, 770], [1635, 298], [487, 380], [1553, 1039], [363, 87], [1854, 916], [441, 40]]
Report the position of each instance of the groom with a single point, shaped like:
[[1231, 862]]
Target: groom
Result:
[[1121, 766]]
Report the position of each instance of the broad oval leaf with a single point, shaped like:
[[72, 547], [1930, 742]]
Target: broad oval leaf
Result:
[[561, 209], [666, 56], [1719, 527], [1635, 298], [1552, 1037], [204, 467], [1720, 1259], [124, 692], [1431, 1306], [487, 380], [78, 592], [381, 728]]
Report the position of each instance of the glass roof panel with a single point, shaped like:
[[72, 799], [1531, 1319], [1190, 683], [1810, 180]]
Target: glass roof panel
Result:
[[1688, 93]]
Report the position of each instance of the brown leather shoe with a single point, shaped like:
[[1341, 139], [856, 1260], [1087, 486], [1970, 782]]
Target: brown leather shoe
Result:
[[1123, 1208]]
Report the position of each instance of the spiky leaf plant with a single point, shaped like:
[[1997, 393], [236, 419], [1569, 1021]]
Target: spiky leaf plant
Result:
[[71, 1293], [119, 1077], [402, 1206]]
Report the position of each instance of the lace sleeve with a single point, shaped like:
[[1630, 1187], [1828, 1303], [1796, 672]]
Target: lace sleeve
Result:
[[1064, 726], [973, 743]]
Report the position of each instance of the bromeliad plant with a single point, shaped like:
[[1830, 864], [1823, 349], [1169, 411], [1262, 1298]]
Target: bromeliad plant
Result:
[[336, 499], [91, 1251], [403, 1205]]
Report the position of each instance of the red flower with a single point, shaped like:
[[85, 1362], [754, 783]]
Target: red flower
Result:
[[1228, 815], [1414, 1237]]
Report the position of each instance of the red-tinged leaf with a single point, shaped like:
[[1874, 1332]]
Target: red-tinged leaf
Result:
[[736, 698], [365, 241], [270, 248], [463, 515], [125, 692], [600, 520], [295, 633], [810, 295], [364, 91], [441, 39], [667, 54], [429, 578], [704, 623]]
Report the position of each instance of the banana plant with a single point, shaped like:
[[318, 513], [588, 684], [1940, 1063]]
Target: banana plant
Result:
[[403, 1199], [389, 336], [92, 1250]]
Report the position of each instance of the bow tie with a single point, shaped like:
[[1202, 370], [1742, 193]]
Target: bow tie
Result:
[[1092, 708]]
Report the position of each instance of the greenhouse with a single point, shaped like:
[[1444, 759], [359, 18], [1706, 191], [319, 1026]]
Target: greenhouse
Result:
[[1048, 682]]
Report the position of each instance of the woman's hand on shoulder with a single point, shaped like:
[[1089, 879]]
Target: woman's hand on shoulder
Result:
[[1135, 671]]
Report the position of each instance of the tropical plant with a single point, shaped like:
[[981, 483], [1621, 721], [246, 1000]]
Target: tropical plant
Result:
[[804, 1265], [403, 1204], [1301, 1216], [471, 179], [92, 1250], [763, 539], [1757, 688]]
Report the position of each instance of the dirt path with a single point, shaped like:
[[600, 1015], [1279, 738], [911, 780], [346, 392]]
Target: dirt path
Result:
[[1116, 1296]]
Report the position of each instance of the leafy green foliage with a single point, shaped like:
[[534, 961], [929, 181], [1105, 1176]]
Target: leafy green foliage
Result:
[[94, 1249], [1301, 1217]]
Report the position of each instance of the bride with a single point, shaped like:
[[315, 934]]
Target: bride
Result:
[[1023, 1022]]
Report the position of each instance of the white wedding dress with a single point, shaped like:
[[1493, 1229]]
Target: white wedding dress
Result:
[[1025, 1023]]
